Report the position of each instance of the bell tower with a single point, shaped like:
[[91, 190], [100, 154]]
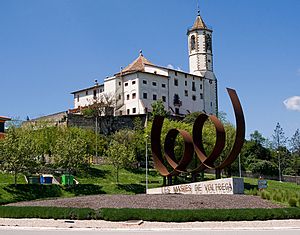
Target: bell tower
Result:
[[200, 49]]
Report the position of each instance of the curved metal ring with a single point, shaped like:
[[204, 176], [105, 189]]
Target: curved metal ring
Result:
[[169, 147], [196, 142], [208, 162]]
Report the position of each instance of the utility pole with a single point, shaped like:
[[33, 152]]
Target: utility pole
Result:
[[97, 137]]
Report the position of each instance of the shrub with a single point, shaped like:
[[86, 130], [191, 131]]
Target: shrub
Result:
[[46, 212], [293, 202], [278, 197], [112, 214], [263, 195]]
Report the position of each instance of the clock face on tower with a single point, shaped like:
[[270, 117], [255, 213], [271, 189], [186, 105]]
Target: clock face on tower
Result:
[[208, 46]]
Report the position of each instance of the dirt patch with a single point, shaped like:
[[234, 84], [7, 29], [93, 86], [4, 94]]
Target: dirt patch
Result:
[[176, 201]]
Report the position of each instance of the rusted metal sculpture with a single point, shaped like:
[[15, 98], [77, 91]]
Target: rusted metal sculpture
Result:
[[194, 144]]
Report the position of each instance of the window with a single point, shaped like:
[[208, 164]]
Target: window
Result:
[[121, 113], [133, 95], [77, 98], [193, 42], [177, 101], [185, 75], [194, 97], [211, 104], [193, 86], [126, 83], [175, 73], [127, 97], [120, 85], [176, 110], [87, 92], [200, 86], [145, 95], [185, 83], [163, 85], [164, 99], [175, 82], [134, 110], [186, 93], [120, 97], [95, 94], [201, 96], [153, 83], [210, 81], [133, 82], [128, 111], [154, 97], [144, 82]]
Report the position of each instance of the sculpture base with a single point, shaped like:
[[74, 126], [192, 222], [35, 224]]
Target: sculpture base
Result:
[[219, 186]]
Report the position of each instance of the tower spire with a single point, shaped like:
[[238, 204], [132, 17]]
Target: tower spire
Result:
[[198, 8]]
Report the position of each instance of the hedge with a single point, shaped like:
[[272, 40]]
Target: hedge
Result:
[[161, 215]]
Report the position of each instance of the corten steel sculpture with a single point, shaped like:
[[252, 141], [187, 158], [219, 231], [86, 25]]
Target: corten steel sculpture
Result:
[[194, 143]]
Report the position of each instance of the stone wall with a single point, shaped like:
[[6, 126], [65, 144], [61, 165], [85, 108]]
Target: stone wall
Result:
[[106, 124]]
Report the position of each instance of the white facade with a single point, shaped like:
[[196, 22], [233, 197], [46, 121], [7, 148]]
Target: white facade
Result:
[[141, 83], [86, 97]]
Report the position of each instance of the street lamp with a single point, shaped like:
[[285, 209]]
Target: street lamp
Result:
[[279, 168], [240, 167]]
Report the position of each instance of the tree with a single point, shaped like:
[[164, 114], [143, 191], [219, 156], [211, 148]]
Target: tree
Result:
[[191, 117], [119, 156], [279, 139], [295, 142], [102, 108], [279, 145], [158, 108], [19, 151], [46, 136], [71, 150], [139, 140], [295, 149], [257, 138]]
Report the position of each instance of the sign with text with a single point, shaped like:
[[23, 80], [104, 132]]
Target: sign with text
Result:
[[220, 186]]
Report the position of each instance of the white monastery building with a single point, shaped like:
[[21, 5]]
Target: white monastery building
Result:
[[141, 83]]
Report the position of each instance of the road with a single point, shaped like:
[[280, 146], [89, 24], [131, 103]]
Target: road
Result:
[[36, 231]]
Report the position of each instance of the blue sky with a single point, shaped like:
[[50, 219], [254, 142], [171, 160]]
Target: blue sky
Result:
[[51, 48]]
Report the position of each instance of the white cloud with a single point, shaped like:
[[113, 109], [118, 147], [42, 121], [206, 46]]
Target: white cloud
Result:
[[179, 69], [292, 103], [170, 66]]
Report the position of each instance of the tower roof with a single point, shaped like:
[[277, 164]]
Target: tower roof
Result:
[[199, 23], [137, 65]]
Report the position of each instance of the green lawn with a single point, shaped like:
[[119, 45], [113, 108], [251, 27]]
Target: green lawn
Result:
[[102, 180], [99, 180]]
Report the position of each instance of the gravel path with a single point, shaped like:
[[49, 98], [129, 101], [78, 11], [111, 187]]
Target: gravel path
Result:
[[156, 201]]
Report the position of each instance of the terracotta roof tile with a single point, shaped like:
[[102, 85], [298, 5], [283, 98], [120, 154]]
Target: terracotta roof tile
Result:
[[137, 65]]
